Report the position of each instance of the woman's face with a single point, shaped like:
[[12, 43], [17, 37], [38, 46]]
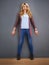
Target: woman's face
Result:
[[24, 7]]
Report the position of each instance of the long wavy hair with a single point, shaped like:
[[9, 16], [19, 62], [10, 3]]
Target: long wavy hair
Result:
[[27, 10]]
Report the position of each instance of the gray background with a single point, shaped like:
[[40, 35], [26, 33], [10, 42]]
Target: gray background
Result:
[[9, 43]]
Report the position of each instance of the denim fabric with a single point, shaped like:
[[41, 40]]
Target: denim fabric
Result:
[[24, 32]]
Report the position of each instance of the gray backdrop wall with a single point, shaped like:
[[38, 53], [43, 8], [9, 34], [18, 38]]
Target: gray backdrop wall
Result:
[[9, 43]]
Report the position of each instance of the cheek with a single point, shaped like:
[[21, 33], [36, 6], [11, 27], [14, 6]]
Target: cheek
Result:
[[26, 8], [23, 8]]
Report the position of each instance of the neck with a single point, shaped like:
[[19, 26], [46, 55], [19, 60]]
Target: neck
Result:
[[24, 11]]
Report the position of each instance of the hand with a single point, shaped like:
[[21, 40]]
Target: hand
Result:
[[13, 31], [36, 31]]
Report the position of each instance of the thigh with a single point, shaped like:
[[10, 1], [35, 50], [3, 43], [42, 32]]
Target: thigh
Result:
[[29, 37], [21, 35], [28, 34]]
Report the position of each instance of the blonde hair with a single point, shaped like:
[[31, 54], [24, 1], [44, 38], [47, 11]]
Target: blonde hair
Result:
[[27, 11]]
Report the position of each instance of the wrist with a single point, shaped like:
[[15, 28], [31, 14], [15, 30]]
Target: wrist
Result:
[[14, 28], [36, 29]]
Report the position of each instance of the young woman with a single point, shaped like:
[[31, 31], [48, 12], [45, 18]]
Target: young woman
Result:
[[24, 19]]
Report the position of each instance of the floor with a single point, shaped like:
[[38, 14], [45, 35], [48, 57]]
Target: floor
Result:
[[23, 61]]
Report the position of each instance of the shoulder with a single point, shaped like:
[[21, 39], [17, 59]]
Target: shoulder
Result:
[[18, 15]]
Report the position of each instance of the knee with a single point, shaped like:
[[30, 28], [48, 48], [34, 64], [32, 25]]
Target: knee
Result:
[[30, 41], [20, 42]]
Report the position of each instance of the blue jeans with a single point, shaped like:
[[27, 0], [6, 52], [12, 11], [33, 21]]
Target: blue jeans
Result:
[[24, 32]]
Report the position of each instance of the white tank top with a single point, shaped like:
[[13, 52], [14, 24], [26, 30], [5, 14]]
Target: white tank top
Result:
[[25, 21]]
